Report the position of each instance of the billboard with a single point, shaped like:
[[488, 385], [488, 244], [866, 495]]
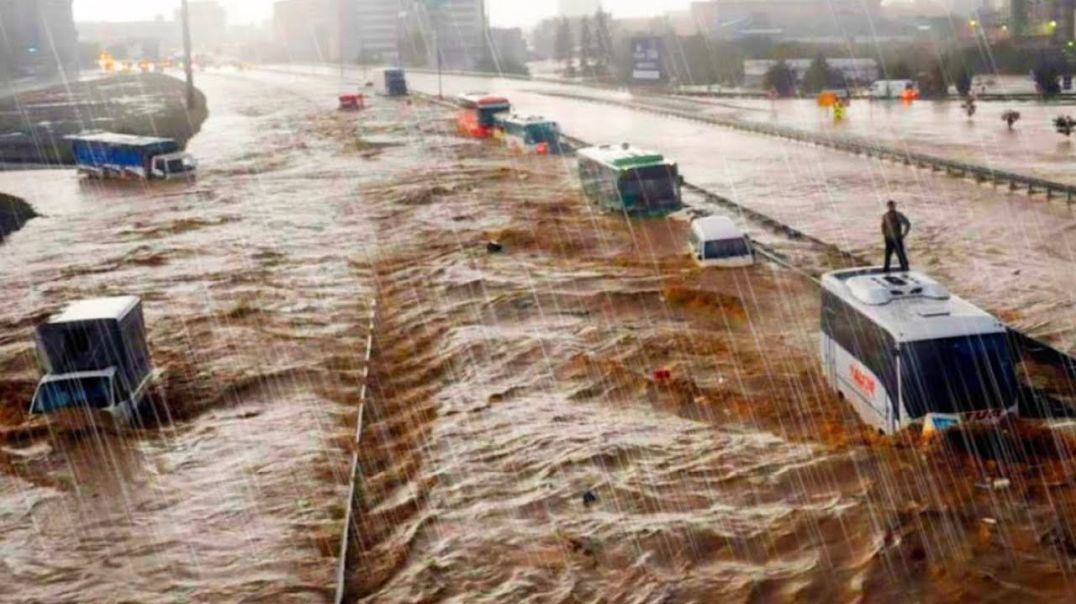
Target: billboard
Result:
[[646, 59]]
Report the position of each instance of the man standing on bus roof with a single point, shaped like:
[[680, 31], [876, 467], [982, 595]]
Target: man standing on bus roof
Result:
[[895, 227]]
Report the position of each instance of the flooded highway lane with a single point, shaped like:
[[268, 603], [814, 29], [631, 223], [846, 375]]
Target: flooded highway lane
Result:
[[940, 128], [254, 310], [520, 444], [1006, 252], [520, 448]]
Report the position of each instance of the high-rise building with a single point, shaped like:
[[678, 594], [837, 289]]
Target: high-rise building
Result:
[[797, 18], [209, 24], [508, 45], [578, 8], [308, 30], [37, 37], [378, 26], [460, 27]]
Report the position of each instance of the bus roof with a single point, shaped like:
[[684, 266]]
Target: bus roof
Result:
[[481, 99], [96, 309], [623, 156], [527, 120], [909, 305], [119, 140], [716, 228]]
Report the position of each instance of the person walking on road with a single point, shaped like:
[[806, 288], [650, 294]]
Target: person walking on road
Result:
[[895, 227]]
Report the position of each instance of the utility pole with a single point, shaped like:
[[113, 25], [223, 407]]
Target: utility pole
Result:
[[187, 63], [431, 6]]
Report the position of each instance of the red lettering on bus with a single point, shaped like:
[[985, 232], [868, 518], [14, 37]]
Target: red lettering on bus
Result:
[[862, 381]]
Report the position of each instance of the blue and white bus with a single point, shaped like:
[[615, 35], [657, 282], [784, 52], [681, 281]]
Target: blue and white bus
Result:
[[899, 346], [530, 134]]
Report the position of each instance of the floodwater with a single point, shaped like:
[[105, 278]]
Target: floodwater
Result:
[[940, 128], [521, 442], [255, 315], [1006, 252]]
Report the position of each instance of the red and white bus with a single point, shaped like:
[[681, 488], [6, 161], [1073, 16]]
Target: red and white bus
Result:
[[477, 114], [899, 346]]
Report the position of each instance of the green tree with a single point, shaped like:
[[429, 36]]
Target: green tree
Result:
[[1046, 79], [963, 82], [586, 44], [932, 84], [901, 71], [603, 42], [781, 79], [564, 45], [817, 76]]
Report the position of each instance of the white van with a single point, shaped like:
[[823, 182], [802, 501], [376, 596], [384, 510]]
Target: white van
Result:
[[891, 89], [717, 241]]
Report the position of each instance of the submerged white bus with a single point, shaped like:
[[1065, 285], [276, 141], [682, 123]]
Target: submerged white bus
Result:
[[898, 346]]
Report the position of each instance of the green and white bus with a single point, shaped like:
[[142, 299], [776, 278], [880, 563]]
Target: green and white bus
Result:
[[626, 179]]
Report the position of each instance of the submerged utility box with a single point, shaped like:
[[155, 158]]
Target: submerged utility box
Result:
[[94, 354], [395, 82]]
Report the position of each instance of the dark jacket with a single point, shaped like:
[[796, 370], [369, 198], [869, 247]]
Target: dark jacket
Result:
[[895, 225]]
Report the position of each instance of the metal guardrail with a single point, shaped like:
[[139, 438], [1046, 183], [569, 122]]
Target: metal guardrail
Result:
[[1027, 345], [846, 143], [354, 490], [858, 146]]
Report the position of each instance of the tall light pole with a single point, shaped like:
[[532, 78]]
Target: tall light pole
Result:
[[430, 6], [187, 63]]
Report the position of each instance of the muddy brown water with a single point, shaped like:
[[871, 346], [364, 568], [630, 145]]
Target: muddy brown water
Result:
[[505, 387]]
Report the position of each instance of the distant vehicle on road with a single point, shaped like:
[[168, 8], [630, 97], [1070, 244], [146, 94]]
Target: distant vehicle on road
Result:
[[717, 241], [899, 346], [530, 134], [352, 102], [95, 357], [630, 180], [393, 82], [124, 156], [892, 89], [478, 112]]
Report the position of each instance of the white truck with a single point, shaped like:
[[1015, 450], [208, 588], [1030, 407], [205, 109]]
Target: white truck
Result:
[[95, 358], [891, 89]]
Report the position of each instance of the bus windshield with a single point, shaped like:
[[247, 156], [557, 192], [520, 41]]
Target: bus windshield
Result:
[[725, 248], [956, 375], [652, 187], [541, 133], [95, 392], [486, 115]]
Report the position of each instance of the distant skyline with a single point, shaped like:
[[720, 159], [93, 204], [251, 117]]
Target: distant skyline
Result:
[[502, 13]]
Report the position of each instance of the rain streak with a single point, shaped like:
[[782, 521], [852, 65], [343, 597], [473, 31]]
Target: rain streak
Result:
[[466, 301]]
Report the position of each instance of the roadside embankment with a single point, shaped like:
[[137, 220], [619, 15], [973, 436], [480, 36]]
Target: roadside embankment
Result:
[[14, 213], [33, 124]]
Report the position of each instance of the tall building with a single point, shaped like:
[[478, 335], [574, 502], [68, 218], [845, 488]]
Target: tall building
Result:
[[308, 30], [578, 8], [378, 26], [508, 45], [37, 37], [460, 27], [209, 24], [794, 18]]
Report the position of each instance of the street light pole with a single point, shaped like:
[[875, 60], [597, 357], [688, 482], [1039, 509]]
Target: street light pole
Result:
[[189, 67]]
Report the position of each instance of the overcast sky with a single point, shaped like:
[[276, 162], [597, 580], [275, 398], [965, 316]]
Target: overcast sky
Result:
[[501, 12]]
